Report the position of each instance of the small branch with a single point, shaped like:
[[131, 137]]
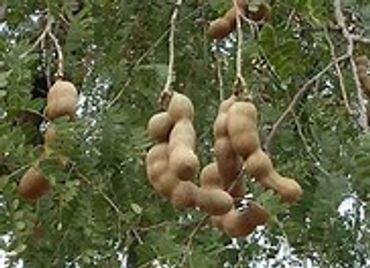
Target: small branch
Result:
[[339, 74], [240, 86], [39, 39], [142, 57], [219, 76], [189, 240], [362, 118], [297, 97], [60, 70], [167, 91]]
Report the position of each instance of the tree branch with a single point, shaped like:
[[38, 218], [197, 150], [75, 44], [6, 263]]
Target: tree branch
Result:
[[297, 97], [362, 117], [167, 91]]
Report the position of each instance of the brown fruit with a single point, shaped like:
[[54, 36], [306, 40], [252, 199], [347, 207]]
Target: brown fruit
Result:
[[159, 126], [185, 195], [165, 184], [262, 13], [227, 160], [214, 201], [362, 72], [182, 134], [156, 161], [33, 185], [362, 60], [220, 126], [210, 177], [226, 104], [243, 136], [184, 163], [49, 136], [219, 28], [242, 223], [245, 108], [61, 100], [259, 164], [180, 107]]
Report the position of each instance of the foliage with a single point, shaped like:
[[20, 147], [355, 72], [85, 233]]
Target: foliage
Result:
[[102, 207]]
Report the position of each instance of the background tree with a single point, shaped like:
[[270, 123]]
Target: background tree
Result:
[[300, 68]]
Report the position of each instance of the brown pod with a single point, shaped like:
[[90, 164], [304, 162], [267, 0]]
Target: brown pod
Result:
[[49, 136], [33, 185], [183, 133], [214, 201], [242, 223], [242, 128], [156, 160], [180, 107], [212, 198], [61, 100], [184, 163], [185, 195], [159, 126], [362, 60], [165, 184], [157, 168], [219, 28], [262, 13], [227, 160], [260, 167]]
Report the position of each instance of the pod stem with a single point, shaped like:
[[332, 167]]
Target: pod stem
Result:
[[166, 93], [240, 85]]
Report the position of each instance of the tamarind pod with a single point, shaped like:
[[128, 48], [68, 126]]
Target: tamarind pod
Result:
[[226, 104], [246, 108], [165, 184], [62, 100], [49, 136], [180, 107], [214, 201], [362, 61], [220, 126], [261, 168], [33, 185], [156, 160], [185, 195], [182, 133], [242, 223], [262, 13], [228, 162], [210, 176], [184, 163], [159, 126]]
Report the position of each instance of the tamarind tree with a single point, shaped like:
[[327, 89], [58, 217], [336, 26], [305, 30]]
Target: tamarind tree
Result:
[[304, 65]]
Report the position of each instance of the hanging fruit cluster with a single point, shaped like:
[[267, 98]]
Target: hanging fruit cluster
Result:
[[61, 101], [172, 165], [223, 26]]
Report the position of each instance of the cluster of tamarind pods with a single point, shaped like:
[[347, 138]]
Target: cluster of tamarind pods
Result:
[[224, 25], [172, 164], [362, 64], [61, 101]]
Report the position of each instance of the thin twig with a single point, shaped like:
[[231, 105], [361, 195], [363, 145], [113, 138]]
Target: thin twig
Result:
[[297, 97], [142, 57], [167, 91], [219, 76], [189, 240], [40, 39], [307, 146], [110, 201], [60, 70], [362, 118], [240, 86], [339, 74]]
